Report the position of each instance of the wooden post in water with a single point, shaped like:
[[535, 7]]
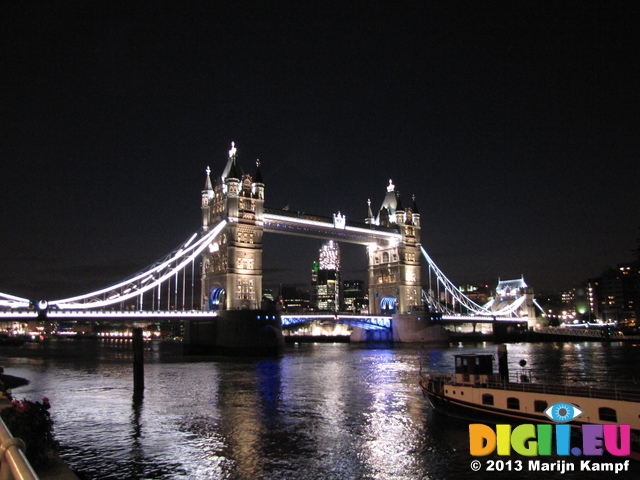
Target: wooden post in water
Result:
[[138, 365], [503, 362]]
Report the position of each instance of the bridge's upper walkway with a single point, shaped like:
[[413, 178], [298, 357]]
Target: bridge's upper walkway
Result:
[[336, 228]]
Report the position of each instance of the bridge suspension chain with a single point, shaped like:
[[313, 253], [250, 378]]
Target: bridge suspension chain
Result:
[[11, 301], [509, 309], [146, 280], [436, 305], [454, 291]]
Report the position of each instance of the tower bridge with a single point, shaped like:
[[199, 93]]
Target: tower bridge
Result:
[[228, 246]]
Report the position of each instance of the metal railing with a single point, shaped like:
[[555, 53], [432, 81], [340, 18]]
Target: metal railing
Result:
[[439, 380], [570, 390], [13, 463], [594, 332]]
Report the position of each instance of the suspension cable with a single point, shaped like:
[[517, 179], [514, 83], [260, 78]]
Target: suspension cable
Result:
[[464, 301], [151, 278]]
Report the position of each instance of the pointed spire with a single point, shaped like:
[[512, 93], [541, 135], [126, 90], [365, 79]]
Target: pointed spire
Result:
[[232, 169], [399, 207], [257, 187], [414, 208], [400, 217], [236, 171], [207, 184], [258, 177], [369, 212]]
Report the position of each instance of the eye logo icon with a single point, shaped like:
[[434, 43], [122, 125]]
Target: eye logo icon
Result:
[[563, 412]]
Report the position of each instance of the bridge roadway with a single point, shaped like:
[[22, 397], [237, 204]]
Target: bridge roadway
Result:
[[368, 322], [383, 322], [106, 314]]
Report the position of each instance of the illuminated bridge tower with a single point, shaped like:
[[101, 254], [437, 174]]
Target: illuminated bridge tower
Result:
[[394, 267], [232, 265]]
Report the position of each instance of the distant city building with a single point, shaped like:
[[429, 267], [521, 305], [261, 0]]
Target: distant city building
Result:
[[480, 294], [554, 308], [293, 300], [325, 279], [354, 296], [268, 300], [569, 306], [615, 295], [581, 304], [268, 294]]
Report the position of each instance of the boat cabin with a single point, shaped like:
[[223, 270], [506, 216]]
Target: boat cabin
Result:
[[474, 369]]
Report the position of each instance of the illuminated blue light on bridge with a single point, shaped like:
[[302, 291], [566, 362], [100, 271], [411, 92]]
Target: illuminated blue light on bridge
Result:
[[216, 298], [388, 304], [362, 321]]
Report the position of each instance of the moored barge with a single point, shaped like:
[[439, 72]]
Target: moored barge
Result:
[[475, 393]]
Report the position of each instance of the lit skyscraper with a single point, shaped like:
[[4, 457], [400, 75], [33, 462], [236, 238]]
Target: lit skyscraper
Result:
[[325, 278]]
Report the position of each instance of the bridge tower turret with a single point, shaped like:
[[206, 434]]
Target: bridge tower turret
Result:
[[415, 215], [370, 218], [394, 266], [232, 265], [207, 196], [257, 187], [409, 260]]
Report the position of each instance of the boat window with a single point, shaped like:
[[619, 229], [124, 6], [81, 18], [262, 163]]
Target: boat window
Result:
[[487, 399], [539, 405], [607, 414], [513, 403]]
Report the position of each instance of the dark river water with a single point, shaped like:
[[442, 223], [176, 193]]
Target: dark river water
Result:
[[319, 411]]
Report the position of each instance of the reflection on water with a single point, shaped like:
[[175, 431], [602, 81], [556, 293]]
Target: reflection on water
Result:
[[320, 411]]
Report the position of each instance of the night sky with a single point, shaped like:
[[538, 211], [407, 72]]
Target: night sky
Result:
[[515, 124]]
